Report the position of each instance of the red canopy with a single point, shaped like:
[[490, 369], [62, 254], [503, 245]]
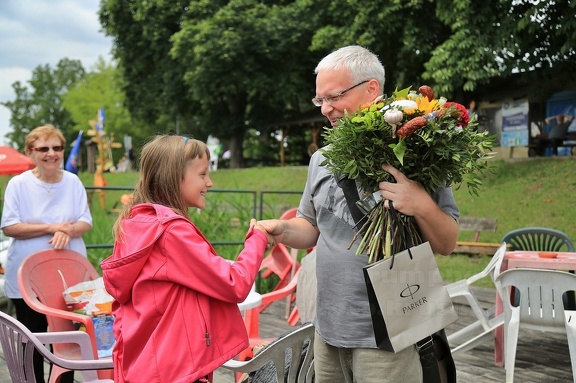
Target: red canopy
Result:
[[13, 162]]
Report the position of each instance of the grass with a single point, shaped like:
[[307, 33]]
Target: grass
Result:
[[533, 192]]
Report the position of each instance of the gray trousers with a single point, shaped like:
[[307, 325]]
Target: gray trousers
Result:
[[365, 365]]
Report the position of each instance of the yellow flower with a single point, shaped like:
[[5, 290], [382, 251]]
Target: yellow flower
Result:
[[427, 106]]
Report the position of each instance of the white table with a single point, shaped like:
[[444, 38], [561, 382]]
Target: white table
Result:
[[253, 299]]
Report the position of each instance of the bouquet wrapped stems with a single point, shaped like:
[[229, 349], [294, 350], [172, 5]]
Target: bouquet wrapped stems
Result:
[[386, 232]]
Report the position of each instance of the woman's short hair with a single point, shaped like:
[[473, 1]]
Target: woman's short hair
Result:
[[43, 132]]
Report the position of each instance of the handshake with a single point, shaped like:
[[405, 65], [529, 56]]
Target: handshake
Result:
[[296, 232], [268, 227]]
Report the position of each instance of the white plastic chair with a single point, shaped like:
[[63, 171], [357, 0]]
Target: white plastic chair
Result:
[[540, 308], [485, 322], [300, 342], [15, 339]]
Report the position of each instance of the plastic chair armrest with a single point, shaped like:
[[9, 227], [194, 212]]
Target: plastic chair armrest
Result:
[[81, 318], [83, 340], [78, 337], [282, 292], [294, 317]]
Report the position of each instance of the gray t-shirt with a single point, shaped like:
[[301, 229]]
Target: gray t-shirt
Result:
[[343, 313]]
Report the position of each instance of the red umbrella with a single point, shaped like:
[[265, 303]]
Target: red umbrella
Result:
[[13, 162]]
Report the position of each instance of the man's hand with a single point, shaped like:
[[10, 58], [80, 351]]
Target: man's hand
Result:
[[271, 240], [408, 197], [274, 227]]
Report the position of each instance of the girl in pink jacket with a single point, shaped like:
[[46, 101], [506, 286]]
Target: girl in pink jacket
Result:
[[175, 309]]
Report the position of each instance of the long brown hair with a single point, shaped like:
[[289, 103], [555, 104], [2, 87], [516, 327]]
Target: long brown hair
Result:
[[163, 162]]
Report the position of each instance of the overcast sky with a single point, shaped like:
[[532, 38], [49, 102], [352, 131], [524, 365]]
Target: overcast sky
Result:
[[40, 32]]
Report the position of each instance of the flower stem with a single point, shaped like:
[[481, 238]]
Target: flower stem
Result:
[[388, 245]]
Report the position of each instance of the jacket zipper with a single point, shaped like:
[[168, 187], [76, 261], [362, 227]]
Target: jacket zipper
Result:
[[206, 332]]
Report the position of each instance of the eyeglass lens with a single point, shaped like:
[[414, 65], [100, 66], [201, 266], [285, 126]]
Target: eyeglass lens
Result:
[[318, 101], [45, 149]]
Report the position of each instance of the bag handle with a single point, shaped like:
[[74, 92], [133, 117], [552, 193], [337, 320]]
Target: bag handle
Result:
[[395, 218]]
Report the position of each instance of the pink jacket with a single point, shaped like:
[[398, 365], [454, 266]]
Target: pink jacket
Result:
[[175, 308]]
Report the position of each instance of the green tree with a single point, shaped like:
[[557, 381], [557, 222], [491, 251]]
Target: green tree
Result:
[[496, 38], [42, 103], [101, 89], [228, 67], [456, 45], [152, 80], [222, 67], [402, 34]]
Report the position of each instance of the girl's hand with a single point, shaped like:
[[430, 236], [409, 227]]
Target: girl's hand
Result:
[[257, 226]]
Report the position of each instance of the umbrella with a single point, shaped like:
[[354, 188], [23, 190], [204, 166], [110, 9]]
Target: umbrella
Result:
[[13, 162]]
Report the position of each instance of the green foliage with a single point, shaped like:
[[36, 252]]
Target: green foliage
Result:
[[524, 35], [42, 102], [440, 153], [402, 33], [220, 66], [535, 192], [228, 67], [152, 81], [229, 206], [100, 89]]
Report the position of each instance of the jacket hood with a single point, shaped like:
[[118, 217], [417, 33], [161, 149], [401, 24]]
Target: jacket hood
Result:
[[132, 249]]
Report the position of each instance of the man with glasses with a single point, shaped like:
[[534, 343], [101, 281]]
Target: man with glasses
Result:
[[344, 349]]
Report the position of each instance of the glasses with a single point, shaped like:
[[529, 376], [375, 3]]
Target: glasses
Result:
[[46, 149], [319, 101]]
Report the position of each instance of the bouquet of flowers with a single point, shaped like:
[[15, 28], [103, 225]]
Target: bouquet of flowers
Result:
[[431, 140]]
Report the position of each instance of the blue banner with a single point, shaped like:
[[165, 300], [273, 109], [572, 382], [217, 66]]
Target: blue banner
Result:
[[514, 124], [72, 163]]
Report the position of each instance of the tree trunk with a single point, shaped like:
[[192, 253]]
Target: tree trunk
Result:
[[237, 150]]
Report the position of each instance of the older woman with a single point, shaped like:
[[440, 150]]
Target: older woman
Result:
[[44, 208]]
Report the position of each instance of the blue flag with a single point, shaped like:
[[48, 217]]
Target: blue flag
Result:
[[72, 163], [100, 119]]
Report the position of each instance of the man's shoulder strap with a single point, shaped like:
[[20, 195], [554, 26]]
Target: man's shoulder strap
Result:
[[351, 194]]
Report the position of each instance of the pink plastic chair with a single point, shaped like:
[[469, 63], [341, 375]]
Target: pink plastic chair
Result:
[[42, 278]]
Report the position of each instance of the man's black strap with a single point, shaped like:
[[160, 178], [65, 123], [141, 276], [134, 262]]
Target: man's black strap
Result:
[[351, 194]]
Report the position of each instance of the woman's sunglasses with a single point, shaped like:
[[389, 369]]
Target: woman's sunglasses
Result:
[[45, 149]]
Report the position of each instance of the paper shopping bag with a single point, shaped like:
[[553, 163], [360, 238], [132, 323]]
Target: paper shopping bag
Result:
[[408, 299]]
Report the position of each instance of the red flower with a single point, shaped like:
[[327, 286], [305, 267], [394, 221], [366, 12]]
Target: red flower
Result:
[[461, 113]]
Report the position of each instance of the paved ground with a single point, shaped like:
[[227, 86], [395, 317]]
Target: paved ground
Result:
[[541, 357]]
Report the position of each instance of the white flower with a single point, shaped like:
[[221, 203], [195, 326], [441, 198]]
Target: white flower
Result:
[[404, 104]]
